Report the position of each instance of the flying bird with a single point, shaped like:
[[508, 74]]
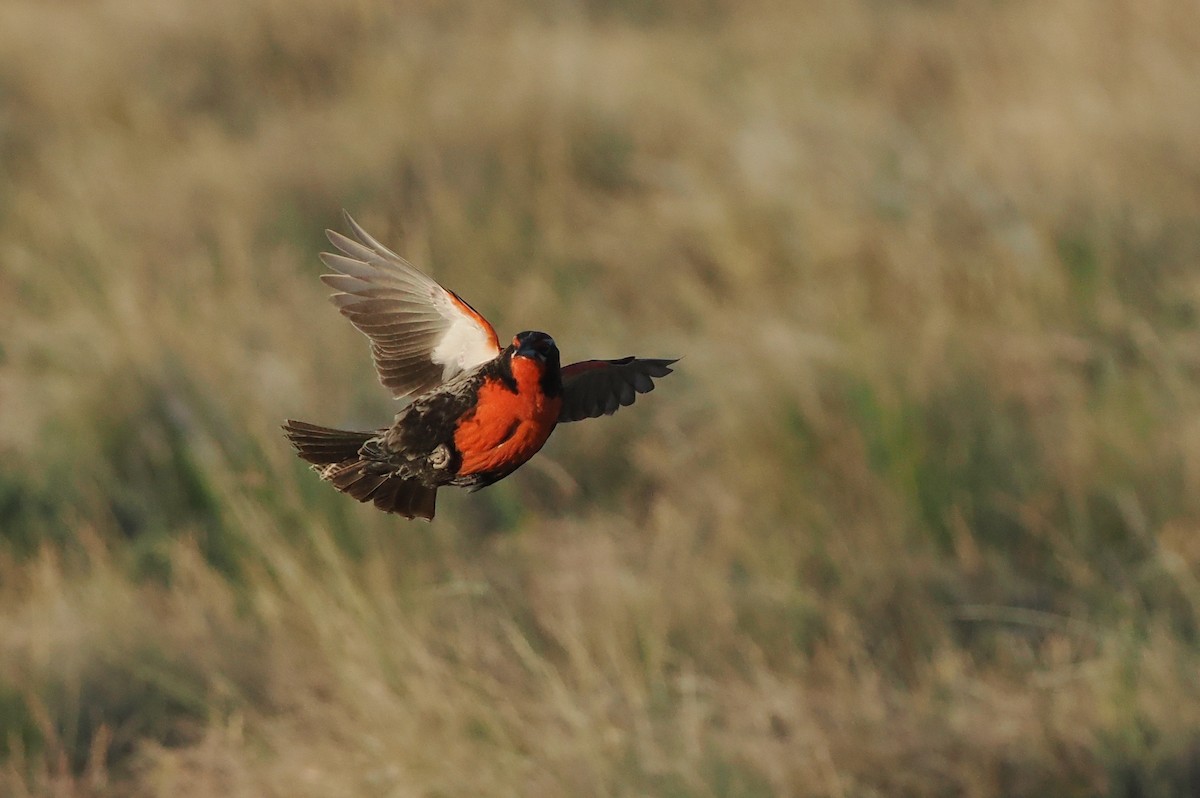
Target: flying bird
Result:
[[477, 412]]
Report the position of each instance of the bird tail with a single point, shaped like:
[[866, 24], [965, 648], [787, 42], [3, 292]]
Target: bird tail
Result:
[[335, 455]]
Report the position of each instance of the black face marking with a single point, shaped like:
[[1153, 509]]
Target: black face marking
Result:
[[552, 378], [504, 370]]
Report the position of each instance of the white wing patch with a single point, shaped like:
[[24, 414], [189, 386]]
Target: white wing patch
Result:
[[465, 343]]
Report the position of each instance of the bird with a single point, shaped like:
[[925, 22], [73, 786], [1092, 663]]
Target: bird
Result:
[[476, 412]]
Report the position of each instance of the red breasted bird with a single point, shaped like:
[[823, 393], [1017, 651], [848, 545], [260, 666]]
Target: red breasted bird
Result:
[[478, 412]]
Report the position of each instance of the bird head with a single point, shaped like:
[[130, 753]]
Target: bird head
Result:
[[536, 346], [540, 349]]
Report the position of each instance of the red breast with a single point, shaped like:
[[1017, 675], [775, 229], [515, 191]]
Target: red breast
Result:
[[506, 428]]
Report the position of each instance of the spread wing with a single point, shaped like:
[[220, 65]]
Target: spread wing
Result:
[[593, 388], [421, 334]]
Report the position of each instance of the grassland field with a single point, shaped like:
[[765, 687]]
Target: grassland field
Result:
[[918, 514]]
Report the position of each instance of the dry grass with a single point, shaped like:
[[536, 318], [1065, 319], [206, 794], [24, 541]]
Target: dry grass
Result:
[[919, 515]]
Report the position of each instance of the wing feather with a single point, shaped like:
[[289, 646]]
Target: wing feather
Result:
[[421, 334], [593, 388]]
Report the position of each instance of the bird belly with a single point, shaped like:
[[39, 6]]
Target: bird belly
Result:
[[504, 430]]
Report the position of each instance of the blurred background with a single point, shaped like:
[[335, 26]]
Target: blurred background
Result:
[[918, 514]]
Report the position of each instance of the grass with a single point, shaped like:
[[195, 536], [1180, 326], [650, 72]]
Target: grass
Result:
[[917, 515]]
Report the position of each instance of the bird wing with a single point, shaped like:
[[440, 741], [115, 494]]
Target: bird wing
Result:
[[593, 388], [421, 334]]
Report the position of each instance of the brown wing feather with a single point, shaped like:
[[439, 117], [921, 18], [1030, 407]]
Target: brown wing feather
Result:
[[421, 334]]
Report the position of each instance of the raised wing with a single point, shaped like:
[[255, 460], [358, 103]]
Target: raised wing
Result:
[[421, 334], [593, 388]]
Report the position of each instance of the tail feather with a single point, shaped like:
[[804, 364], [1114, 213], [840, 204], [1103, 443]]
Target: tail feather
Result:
[[322, 445], [406, 497], [335, 455]]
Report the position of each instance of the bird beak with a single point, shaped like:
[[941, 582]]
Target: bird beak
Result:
[[531, 353]]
